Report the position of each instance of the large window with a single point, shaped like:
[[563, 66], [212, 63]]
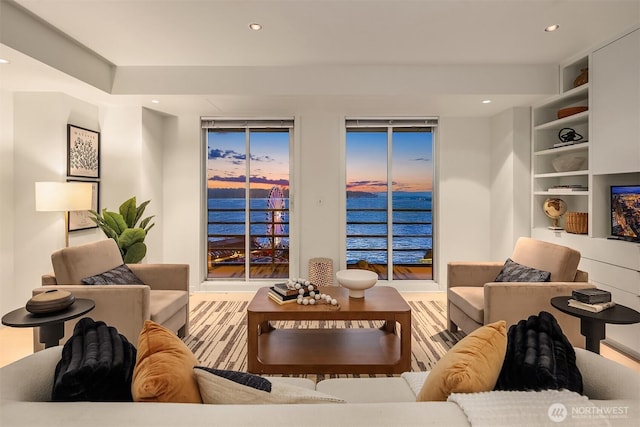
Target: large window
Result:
[[247, 198], [389, 172]]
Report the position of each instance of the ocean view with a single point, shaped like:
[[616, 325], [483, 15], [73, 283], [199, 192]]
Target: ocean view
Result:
[[366, 224]]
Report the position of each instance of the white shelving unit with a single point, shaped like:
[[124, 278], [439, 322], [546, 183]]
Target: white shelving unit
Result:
[[546, 129]]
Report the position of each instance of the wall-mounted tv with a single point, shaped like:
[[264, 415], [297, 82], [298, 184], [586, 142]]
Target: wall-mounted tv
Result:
[[625, 212]]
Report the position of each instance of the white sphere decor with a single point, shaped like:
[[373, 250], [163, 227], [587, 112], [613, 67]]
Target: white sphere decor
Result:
[[357, 281]]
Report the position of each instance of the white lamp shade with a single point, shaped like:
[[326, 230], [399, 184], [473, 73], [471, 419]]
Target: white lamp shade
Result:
[[63, 196]]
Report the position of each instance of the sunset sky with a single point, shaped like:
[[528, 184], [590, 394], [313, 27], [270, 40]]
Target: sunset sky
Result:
[[366, 160], [226, 160], [412, 161]]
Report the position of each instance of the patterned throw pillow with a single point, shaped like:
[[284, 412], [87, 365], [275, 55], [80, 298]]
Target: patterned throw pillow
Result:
[[233, 387], [121, 275], [514, 272]]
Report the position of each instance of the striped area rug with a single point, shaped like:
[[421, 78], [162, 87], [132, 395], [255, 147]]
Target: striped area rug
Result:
[[218, 335]]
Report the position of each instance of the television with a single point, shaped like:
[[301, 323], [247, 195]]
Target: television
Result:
[[625, 212]]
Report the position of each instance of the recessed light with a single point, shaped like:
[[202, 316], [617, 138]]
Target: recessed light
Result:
[[155, 101], [486, 101], [552, 28], [255, 26], [4, 61]]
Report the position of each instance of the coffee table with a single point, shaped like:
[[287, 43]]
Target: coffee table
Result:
[[592, 325], [331, 350]]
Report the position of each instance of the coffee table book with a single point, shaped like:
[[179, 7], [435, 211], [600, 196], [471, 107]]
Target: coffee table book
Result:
[[591, 296], [283, 290], [281, 299], [594, 308]]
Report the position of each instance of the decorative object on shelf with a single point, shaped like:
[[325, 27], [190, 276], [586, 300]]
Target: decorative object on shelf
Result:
[[122, 227], [576, 222], [568, 162], [570, 111], [357, 281], [83, 152], [582, 78], [569, 135], [50, 302], [554, 209]]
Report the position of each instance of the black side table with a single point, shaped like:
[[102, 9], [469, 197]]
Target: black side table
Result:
[[51, 325], [592, 325]]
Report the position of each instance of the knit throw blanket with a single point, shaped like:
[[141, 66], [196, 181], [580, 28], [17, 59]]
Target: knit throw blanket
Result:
[[521, 408]]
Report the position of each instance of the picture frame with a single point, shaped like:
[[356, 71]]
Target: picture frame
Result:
[[81, 220], [83, 152]]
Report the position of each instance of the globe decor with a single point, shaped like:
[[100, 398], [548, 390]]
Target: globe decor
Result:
[[123, 228], [554, 209]]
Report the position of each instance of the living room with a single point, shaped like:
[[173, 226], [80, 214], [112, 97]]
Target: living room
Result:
[[497, 51]]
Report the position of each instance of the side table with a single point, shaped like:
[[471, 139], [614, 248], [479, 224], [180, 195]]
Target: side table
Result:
[[592, 325], [51, 325]]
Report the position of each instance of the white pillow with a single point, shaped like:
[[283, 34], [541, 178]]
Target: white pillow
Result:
[[232, 387]]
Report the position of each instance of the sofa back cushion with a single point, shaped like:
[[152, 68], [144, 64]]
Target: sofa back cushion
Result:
[[561, 261], [73, 264]]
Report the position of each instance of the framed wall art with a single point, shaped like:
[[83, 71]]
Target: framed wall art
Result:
[[83, 152], [81, 220]]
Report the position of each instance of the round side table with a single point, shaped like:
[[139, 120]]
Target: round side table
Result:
[[592, 325], [51, 325]]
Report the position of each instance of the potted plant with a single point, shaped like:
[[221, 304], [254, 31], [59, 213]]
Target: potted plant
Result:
[[122, 227]]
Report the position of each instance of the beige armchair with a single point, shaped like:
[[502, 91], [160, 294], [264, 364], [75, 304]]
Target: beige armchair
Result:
[[474, 299], [164, 297]]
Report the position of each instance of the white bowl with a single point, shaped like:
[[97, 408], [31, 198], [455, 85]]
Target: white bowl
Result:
[[568, 162], [357, 281]]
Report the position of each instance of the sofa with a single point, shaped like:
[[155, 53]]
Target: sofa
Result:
[[477, 295], [613, 393], [158, 292]]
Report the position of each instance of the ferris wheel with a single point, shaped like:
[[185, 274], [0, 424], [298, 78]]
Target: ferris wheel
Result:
[[275, 215]]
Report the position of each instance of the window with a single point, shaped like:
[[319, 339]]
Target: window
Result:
[[247, 198], [389, 173]]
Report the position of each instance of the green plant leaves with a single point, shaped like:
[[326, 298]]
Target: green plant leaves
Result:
[[130, 236], [135, 253], [121, 227]]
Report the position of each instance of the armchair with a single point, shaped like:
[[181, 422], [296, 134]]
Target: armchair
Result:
[[163, 298], [474, 299]]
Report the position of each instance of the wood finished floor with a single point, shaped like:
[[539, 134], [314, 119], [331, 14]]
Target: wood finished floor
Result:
[[16, 343]]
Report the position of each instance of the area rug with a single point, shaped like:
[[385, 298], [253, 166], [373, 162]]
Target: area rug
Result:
[[218, 335]]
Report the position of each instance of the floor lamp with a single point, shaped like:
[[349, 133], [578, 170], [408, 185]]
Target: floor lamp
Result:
[[63, 197]]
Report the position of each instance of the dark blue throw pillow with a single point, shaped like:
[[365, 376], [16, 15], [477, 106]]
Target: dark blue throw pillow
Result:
[[514, 272], [121, 275]]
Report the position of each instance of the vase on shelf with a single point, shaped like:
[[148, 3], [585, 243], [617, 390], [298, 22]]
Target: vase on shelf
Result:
[[582, 78]]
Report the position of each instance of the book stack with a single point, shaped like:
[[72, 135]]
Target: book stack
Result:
[[565, 188], [593, 300], [567, 143], [283, 294]]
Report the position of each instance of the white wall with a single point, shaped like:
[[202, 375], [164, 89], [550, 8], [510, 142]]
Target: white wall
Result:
[[463, 197], [510, 180], [7, 281]]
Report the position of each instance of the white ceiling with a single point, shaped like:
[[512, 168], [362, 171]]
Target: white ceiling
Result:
[[325, 33]]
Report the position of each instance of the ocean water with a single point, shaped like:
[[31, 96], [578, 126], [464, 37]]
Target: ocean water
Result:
[[366, 228]]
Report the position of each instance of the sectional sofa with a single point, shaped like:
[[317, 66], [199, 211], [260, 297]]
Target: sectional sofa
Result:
[[613, 399]]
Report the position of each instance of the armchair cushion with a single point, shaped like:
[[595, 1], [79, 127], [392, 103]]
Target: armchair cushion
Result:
[[121, 275], [469, 299], [514, 272]]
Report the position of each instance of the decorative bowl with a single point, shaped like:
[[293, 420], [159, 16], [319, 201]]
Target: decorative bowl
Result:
[[568, 162], [357, 281], [570, 111]]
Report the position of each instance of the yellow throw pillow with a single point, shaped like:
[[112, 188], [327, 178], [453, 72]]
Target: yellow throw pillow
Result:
[[472, 365], [164, 368]]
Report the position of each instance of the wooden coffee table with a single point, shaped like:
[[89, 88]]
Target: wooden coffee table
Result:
[[331, 350]]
